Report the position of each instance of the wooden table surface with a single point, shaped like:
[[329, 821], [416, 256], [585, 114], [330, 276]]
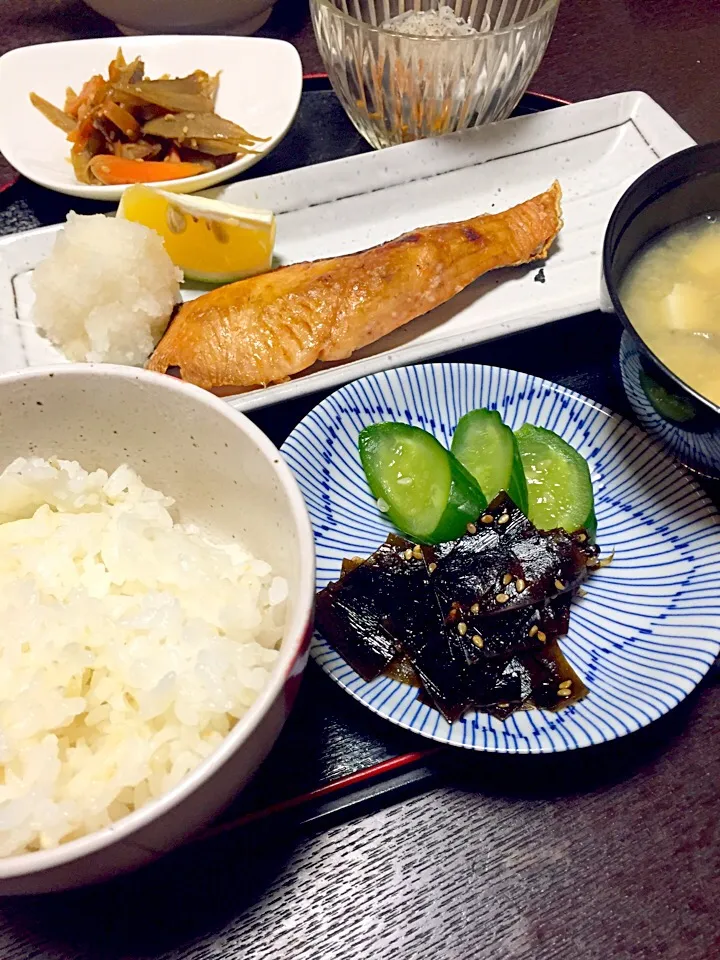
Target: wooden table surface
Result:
[[606, 854]]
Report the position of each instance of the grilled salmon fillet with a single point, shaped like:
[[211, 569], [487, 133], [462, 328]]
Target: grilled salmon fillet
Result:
[[267, 328]]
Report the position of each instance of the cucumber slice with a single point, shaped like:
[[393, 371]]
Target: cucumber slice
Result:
[[489, 450], [430, 496], [669, 405], [560, 490]]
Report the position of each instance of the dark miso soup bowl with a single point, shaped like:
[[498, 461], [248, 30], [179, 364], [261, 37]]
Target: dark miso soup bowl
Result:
[[684, 185]]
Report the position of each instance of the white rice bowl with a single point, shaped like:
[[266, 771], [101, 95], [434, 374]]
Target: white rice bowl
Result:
[[131, 646], [107, 290]]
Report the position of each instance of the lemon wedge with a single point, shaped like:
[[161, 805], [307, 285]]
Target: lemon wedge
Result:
[[209, 240]]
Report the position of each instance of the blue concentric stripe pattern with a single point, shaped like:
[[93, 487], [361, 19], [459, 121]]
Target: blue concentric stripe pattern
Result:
[[697, 449], [648, 628]]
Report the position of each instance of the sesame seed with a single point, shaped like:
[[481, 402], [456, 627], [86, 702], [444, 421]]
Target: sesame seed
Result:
[[475, 609], [581, 538], [565, 683], [503, 706], [471, 528], [533, 630], [564, 692], [462, 629], [478, 641], [559, 584], [519, 585], [504, 518], [541, 636], [506, 579], [417, 552], [487, 518], [408, 554], [502, 598], [432, 568]]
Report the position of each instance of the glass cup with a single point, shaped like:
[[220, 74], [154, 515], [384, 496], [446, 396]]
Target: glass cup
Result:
[[397, 87]]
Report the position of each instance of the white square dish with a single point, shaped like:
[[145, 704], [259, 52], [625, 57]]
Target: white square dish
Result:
[[260, 88]]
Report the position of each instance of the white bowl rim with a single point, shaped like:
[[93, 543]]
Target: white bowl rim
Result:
[[200, 181], [27, 864]]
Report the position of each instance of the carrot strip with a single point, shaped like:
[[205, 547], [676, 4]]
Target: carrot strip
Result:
[[114, 171], [81, 134], [87, 98]]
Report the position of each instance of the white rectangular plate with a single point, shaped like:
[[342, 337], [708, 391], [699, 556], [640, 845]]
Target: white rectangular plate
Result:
[[595, 149]]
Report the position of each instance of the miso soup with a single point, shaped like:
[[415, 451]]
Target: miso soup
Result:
[[671, 295]]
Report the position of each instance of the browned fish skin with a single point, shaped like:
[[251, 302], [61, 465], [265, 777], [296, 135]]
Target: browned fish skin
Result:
[[267, 328]]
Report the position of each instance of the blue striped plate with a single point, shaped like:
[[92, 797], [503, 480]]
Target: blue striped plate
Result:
[[648, 628]]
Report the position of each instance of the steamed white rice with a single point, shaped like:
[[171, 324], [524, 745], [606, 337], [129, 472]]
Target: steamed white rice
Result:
[[131, 644], [107, 290]]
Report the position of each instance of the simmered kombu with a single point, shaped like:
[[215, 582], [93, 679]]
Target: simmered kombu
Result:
[[505, 563], [458, 676], [355, 613], [475, 622]]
